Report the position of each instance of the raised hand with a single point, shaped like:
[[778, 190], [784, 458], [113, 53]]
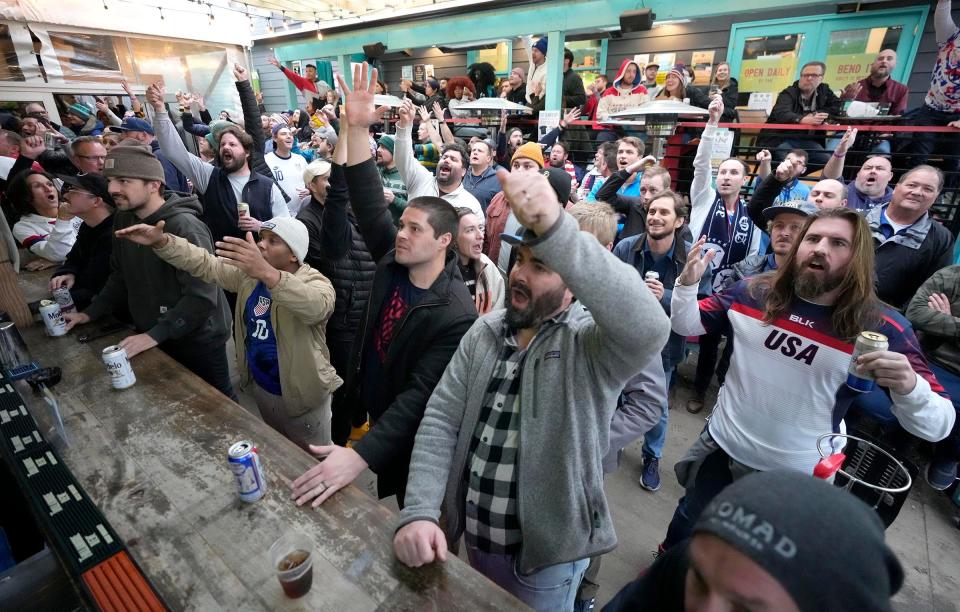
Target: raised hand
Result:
[[32, 146], [697, 263], [531, 199], [245, 254], [638, 165], [764, 156], [145, 234], [155, 94], [424, 113], [127, 88], [273, 61], [715, 110], [846, 141], [405, 114], [359, 109], [239, 73], [788, 170], [437, 110], [572, 115]]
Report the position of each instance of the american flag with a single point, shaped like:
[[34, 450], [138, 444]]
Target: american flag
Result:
[[263, 305]]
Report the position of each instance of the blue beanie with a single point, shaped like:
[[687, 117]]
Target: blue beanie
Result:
[[541, 45]]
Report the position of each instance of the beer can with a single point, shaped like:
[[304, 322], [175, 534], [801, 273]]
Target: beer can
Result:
[[652, 275], [244, 460], [119, 368], [62, 296], [243, 209], [867, 342], [49, 141], [53, 318]]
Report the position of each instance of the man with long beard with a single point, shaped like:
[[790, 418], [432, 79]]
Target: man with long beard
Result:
[[800, 322], [512, 478]]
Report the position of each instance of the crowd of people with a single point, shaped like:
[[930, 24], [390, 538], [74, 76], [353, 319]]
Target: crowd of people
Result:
[[396, 298]]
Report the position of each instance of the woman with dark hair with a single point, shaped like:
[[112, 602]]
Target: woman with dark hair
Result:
[[484, 78], [43, 228], [481, 276]]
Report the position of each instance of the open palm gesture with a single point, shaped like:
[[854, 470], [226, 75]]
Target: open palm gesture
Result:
[[360, 110]]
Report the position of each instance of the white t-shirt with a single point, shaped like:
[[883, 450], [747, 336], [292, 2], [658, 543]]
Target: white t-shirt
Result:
[[289, 175]]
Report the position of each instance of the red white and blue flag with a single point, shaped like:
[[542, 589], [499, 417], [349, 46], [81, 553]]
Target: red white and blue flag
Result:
[[263, 305]]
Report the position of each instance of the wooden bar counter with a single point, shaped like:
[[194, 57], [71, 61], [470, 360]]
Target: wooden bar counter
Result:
[[153, 459]]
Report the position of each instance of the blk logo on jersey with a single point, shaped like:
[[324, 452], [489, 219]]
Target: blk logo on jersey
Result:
[[263, 305], [801, 321], [791, 346]]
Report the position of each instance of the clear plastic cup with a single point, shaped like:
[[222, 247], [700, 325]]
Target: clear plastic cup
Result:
[[292, 559]]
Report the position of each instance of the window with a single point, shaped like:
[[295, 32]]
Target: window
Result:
[[500, 57], [589, 58], [766, 56], [10, 64], [850, 53], [768, 63]]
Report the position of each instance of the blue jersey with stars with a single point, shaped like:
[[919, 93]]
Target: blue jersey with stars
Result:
[[261, 340]]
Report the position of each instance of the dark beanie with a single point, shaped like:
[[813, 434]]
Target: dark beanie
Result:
[[822, 544], [133, 161]]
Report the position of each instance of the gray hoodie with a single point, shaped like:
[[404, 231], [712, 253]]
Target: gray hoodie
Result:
[[166, 303], [572, 375]]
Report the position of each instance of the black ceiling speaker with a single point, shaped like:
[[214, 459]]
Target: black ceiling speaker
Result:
[[639, 20], [374, 50]]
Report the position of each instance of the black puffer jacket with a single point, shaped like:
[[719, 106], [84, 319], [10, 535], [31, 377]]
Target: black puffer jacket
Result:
[[338, 251]]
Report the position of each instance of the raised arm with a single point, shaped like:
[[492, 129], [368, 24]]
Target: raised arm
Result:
[[363, 180], [943, 22], [445, 132], [135, 105], [336, 231], [194, 168], [431, 130], [834, 168], [414, 175], [702, 172], [251, 113]]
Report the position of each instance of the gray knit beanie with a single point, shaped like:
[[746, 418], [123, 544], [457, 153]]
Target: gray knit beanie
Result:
[[133, 161], [822, 544]]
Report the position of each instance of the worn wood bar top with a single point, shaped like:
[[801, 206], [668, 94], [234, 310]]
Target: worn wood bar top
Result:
[[153, 458]]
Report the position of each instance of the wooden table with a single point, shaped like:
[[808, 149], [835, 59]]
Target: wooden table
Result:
[[153, 458]]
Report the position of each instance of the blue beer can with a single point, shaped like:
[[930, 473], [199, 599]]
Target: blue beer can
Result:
[[244, 461]]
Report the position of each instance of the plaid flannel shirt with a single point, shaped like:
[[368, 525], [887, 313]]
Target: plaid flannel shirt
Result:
[[491, 518]]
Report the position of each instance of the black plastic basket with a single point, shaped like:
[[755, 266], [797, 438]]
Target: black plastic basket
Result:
[[873, 474]]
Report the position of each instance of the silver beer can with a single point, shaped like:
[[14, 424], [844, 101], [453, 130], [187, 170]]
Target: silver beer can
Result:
[[63, 297], [651, 275], [867, 342], [118, 367], [243, 209], [53, 318]]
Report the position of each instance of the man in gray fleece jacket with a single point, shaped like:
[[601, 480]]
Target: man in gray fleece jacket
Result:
[[526, 485]]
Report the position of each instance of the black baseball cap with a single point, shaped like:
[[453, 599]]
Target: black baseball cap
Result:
[[94, 183]]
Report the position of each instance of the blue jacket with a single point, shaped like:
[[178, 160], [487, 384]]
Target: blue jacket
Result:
[[630, 250], [482, 187]]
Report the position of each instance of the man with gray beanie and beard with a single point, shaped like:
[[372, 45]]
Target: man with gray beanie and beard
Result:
[[187, 318], [282, 310], [779, 541]]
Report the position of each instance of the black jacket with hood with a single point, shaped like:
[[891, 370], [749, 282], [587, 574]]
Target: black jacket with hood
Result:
[[422, 345], [168, 304]]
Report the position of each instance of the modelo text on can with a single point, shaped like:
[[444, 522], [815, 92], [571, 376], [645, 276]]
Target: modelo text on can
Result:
[[53, 318], [244, 460], [867, 342], [118, 367]]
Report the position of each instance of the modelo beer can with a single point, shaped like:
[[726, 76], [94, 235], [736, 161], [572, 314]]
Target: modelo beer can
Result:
[[651, 275], [867, 342], [119, 368], [62, 296], [244, 460], [53, 318]]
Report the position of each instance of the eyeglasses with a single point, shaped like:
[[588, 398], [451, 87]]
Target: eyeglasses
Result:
[[810, 75], [93, 157]]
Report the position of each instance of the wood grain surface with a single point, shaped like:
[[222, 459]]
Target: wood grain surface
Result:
[[153, 458]]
